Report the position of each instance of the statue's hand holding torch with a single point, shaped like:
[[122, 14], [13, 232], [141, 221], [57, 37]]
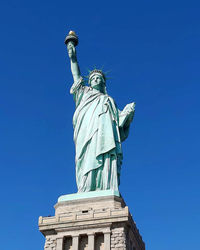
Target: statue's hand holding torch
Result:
[[71, 41]]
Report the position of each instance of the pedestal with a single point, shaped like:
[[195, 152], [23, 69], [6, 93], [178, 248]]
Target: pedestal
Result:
[[94, 223]]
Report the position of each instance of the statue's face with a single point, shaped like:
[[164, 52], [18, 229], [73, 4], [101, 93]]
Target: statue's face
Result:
[[97, 82]]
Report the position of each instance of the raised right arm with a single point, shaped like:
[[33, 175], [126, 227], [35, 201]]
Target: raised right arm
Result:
[[74, 63]]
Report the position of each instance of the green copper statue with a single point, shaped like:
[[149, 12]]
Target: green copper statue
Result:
[[99, 128]]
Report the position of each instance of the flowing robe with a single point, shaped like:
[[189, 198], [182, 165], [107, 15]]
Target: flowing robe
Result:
[[98, 133]]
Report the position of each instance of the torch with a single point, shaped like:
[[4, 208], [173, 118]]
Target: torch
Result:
[[72, 37]]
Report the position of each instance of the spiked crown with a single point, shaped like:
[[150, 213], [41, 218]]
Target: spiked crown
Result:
[[98, 71]]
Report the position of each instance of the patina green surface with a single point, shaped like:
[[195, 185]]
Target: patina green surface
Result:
[[99, 129], [85, 195]]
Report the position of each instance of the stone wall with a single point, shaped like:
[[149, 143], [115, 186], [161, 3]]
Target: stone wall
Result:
[[50, 243], [118, 238], [102, 223]]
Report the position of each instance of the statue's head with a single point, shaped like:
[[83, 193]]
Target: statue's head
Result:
[[97, 80]]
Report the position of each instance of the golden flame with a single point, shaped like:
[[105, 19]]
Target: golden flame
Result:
[[72, 33]]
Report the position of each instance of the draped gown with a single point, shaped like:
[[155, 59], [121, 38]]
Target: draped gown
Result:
[[99, 129]]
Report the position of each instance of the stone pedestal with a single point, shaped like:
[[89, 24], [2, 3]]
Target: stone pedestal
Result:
[[98, 223]]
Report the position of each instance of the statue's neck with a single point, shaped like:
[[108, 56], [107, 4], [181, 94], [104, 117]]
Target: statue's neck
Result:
[[98, 88]]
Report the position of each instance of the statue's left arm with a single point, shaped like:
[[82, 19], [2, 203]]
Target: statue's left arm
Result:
[[125, 119]]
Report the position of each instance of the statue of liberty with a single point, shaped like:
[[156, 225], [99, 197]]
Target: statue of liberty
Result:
[[99, 128]]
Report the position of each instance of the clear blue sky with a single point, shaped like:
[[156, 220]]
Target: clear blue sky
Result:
[[153, 51]]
